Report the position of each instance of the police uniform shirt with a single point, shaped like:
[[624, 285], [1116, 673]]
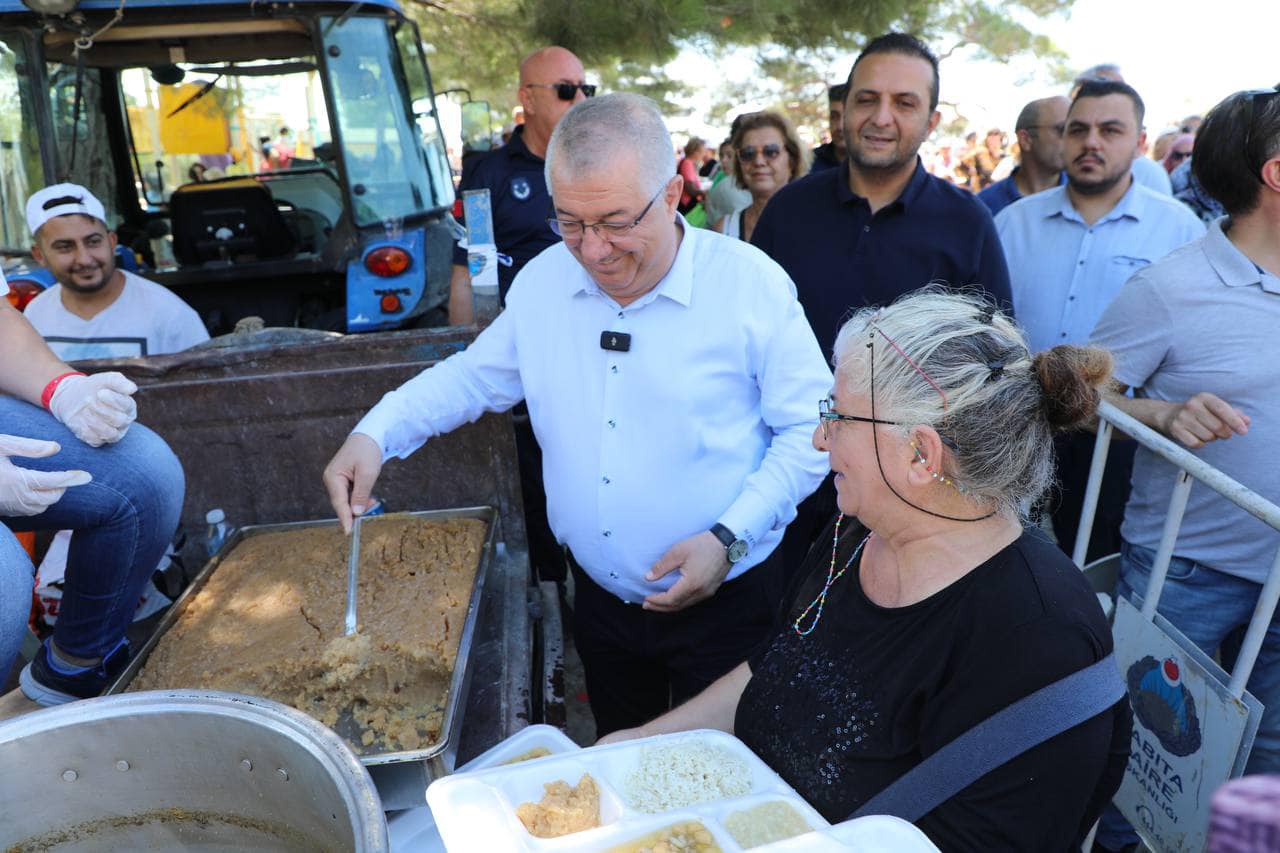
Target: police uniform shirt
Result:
[[520, 202]]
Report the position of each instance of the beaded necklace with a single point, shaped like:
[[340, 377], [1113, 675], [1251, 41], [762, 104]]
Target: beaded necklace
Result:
[[832, 576]]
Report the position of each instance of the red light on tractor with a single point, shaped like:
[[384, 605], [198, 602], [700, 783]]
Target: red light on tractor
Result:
[[389, 303], [387, 261], [22, 292]]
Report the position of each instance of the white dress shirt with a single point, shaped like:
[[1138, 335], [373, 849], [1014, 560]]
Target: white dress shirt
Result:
[[708, 418]]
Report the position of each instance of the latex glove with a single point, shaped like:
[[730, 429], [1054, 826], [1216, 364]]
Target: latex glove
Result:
[[703, 565], [26, 492], [97, 408]]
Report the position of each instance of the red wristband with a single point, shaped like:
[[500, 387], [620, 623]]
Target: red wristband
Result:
[[47, 394]]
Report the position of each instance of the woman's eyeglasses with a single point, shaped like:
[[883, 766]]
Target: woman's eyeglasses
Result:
[[828, 413], [770, 152], [567, 91]]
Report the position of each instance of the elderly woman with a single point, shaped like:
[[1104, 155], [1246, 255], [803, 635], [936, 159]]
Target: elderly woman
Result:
[[768, 157], [934, 607]]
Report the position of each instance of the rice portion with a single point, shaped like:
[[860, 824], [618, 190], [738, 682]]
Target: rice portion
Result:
[[672, 776]]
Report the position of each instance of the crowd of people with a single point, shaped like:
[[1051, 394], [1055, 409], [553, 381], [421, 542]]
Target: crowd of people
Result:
[[848, 589]]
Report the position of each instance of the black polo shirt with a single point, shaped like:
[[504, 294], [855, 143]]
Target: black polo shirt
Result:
[[841, 257], [521, 204]]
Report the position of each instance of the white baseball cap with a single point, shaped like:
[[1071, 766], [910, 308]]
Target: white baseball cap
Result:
[[60, 200]]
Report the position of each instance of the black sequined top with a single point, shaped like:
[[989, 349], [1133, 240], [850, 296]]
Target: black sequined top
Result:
[[844, 711]]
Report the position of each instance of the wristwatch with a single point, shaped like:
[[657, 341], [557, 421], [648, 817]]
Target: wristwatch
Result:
[[734, 548]]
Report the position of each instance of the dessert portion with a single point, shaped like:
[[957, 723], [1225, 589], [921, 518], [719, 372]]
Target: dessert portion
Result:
[[562, 810], [269, 622]]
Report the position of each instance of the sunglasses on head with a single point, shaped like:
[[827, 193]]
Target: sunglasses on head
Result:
[[770, 152], [567, 91]]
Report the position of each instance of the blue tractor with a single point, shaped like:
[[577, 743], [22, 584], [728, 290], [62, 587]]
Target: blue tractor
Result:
[[277, 159]]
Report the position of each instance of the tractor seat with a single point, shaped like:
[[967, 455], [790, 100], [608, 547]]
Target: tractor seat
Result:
[[228, 221]]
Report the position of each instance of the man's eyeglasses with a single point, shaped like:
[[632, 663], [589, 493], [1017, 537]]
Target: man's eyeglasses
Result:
[[1254, 97], [827, 413], [1058, 129], [771, 152], [567, 91], [574, 229]]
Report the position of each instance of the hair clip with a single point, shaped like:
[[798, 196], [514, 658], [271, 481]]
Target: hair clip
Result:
[[996, 366], [987, 314]]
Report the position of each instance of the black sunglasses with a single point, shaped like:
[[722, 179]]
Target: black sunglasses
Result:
[[771, 152], [1255, 96], [567, 91]]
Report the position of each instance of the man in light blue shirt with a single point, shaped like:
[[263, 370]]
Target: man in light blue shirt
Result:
[[671, 379], [1070, 249]]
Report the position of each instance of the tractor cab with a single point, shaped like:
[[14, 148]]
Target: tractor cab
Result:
[[283, 160]]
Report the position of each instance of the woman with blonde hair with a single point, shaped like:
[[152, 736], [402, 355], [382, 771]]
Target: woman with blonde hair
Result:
[[768, 156]]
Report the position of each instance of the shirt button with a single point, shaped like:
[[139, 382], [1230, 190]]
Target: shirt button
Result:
[[1063, 335], [613, 368], [604, 480], [612, 423], [866, 228], [1071, 299], [1082, 263], [622, 315], [606, 533]]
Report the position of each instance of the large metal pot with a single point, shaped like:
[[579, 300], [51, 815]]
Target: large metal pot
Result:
[[169, 769]]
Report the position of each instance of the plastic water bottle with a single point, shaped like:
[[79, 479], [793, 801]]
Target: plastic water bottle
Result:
[[217, 532]]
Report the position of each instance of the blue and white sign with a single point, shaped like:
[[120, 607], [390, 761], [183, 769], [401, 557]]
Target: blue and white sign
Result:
[[1189, 733]]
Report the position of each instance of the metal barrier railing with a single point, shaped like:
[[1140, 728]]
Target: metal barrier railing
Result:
[[1190, 468]]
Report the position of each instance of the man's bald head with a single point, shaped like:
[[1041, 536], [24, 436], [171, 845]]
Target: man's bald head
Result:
[[1039, 127], [540, 72], [553, 60]]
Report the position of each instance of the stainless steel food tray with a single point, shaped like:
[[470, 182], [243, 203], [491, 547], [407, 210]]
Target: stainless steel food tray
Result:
[[438, 758]]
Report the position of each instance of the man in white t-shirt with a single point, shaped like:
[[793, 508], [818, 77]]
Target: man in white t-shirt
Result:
[[97, 310]]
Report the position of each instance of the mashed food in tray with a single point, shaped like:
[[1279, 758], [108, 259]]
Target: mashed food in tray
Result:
[[691, 837], [562, 810], [675, 775], [269, 622], [765, 824]]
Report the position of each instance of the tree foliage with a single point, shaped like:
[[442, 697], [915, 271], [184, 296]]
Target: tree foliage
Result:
[[479, 43]]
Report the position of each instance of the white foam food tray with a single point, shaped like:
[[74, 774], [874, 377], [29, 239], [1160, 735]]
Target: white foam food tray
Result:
[[476, 811]]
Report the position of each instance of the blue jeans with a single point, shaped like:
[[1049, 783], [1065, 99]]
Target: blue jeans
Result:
[[16, 574], [121, 523], [1206, 605]]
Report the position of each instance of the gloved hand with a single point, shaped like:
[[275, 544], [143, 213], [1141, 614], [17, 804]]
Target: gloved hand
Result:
[[97, 408], [26, 492]]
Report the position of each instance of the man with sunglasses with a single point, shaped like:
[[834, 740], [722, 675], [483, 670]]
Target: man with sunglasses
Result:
[[1039, 130], [669, 374], [1194, 335], [551, 81]]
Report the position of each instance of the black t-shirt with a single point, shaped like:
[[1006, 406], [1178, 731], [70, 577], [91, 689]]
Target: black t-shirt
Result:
[[846, 710]]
